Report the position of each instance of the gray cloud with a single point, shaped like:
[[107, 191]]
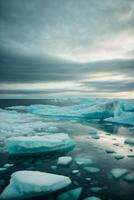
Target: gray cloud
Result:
[[45, 41]]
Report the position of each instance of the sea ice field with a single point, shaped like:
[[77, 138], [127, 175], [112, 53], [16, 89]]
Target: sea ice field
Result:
[[67, 149]]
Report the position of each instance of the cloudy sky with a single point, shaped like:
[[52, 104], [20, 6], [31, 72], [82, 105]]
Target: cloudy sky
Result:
[[59, 48]]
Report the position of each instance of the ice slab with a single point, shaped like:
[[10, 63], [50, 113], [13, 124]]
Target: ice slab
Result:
[[71, 194], [39, 144], [64, 160], [117, 173], [24, 184]]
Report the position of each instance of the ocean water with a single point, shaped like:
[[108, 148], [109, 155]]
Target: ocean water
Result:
[[111, 136]]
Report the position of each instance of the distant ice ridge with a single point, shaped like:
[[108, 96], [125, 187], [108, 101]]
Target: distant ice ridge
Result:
[[116, 111], [39, 144], [24, 184]]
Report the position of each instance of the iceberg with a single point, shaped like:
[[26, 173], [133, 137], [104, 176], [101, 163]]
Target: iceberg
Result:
[[24, 184], [39, 144], [87, 110]]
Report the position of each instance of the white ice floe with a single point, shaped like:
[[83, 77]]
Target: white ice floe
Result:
[[39, 144], [117, 173], [64, 160], [24, 184], [71, 194]]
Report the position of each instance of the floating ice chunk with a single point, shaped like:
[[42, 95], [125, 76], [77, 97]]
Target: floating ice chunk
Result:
[[130, 156], [96, 137], [129, 141], [75, 171], [129, 177], [39, 144], [110, 151], [24, 184], [83, 161], [71, 194], [92, 170], [8, 165], [118, 157], [92, 198], [88, 179], [95, 189], [117, 173], [64, 160]]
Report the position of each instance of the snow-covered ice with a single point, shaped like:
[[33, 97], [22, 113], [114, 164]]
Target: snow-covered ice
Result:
[[39, 144], [24, 184], [64, 160]]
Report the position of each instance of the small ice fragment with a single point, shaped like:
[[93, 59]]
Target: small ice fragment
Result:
[[75, 171], [118, 157], [129, 177], [95, 189], [25, 184], [130, 156], [84, 161], [92, 198], [54, 167], [64, 160], [96, 137], [110, 151], [88, 179], [92, 169], [117, 173], [8, 165], [71, 194], [129, 141]]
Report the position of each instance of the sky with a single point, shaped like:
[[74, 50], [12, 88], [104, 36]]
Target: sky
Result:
[[66, 48]]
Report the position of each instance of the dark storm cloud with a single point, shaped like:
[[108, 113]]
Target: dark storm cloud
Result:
[[38, 40]]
